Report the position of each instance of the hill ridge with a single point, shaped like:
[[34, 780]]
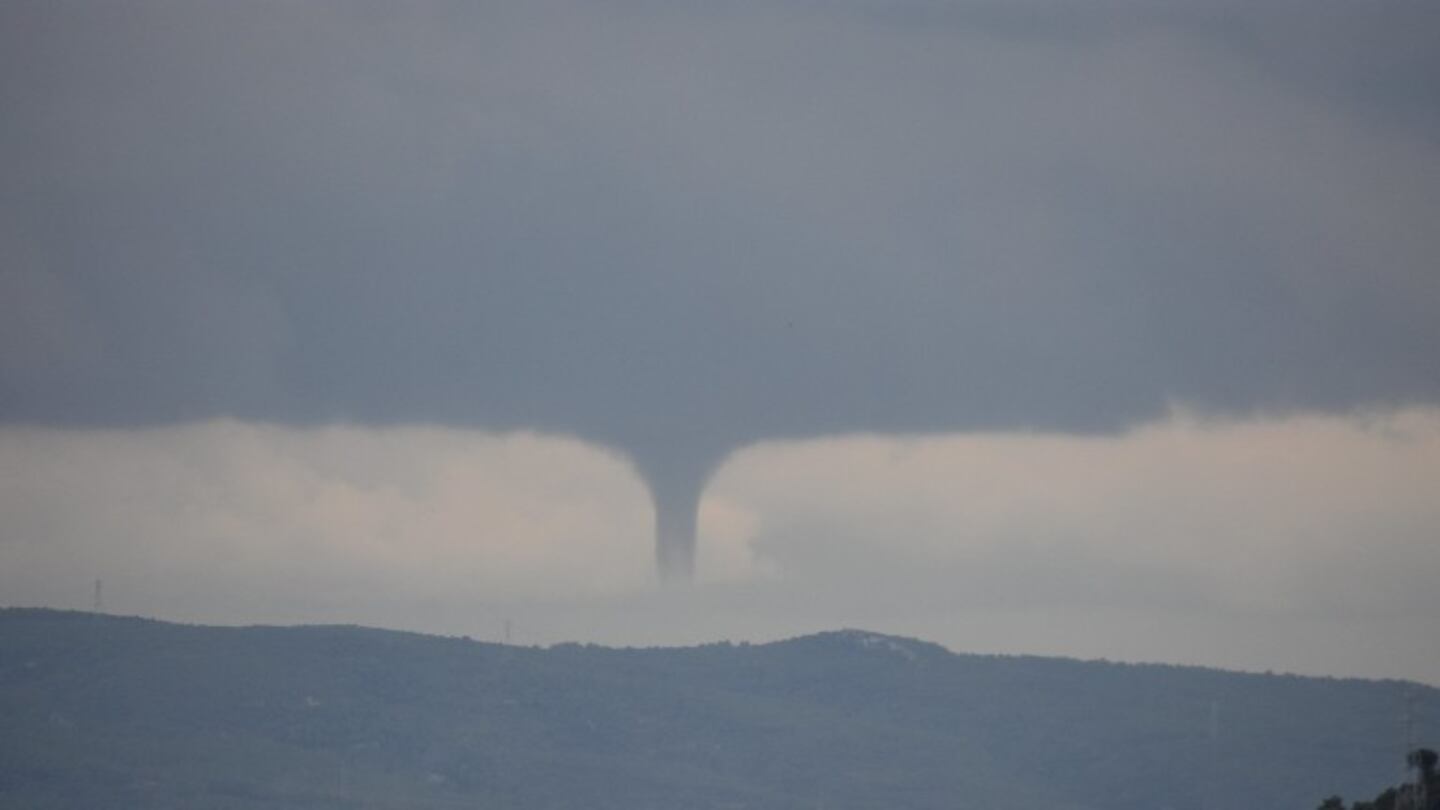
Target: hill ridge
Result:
[[853, 634], [169, 715]]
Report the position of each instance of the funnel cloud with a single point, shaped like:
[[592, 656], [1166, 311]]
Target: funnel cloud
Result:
[[677, 231]]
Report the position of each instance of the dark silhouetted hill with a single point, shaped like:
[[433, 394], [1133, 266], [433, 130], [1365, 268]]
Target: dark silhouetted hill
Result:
[[108, 712]]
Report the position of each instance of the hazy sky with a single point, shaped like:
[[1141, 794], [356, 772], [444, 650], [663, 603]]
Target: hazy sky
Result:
[[1103, 329]]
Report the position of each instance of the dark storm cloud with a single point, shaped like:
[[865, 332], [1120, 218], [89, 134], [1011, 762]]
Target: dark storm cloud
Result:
[[680, 229]]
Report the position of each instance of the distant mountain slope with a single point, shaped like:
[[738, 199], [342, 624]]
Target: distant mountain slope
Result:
[[99, 711]]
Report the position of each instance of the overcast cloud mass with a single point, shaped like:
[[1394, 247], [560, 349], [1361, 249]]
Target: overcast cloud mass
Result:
[[326, 258]]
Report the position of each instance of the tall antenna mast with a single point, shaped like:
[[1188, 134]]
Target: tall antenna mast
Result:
[[1409, 731], [98, 606], [1419, 763], [1209, 798]]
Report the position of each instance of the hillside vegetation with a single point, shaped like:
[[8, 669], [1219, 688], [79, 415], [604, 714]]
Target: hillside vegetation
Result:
[[99, 711]]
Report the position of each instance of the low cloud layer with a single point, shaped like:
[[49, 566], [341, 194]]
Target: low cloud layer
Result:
[[1291, 544], [228, 520]]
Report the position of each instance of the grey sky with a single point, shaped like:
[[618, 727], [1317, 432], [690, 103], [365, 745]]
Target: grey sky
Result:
[[674, 226], [679, 229]]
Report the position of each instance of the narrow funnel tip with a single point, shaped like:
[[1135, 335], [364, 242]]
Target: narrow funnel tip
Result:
[[676, 478], [675, 520]]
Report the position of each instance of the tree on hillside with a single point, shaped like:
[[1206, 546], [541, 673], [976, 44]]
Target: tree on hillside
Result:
[[1422, 794]]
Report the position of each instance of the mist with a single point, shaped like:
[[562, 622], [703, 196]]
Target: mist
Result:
[[1302, 545]]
